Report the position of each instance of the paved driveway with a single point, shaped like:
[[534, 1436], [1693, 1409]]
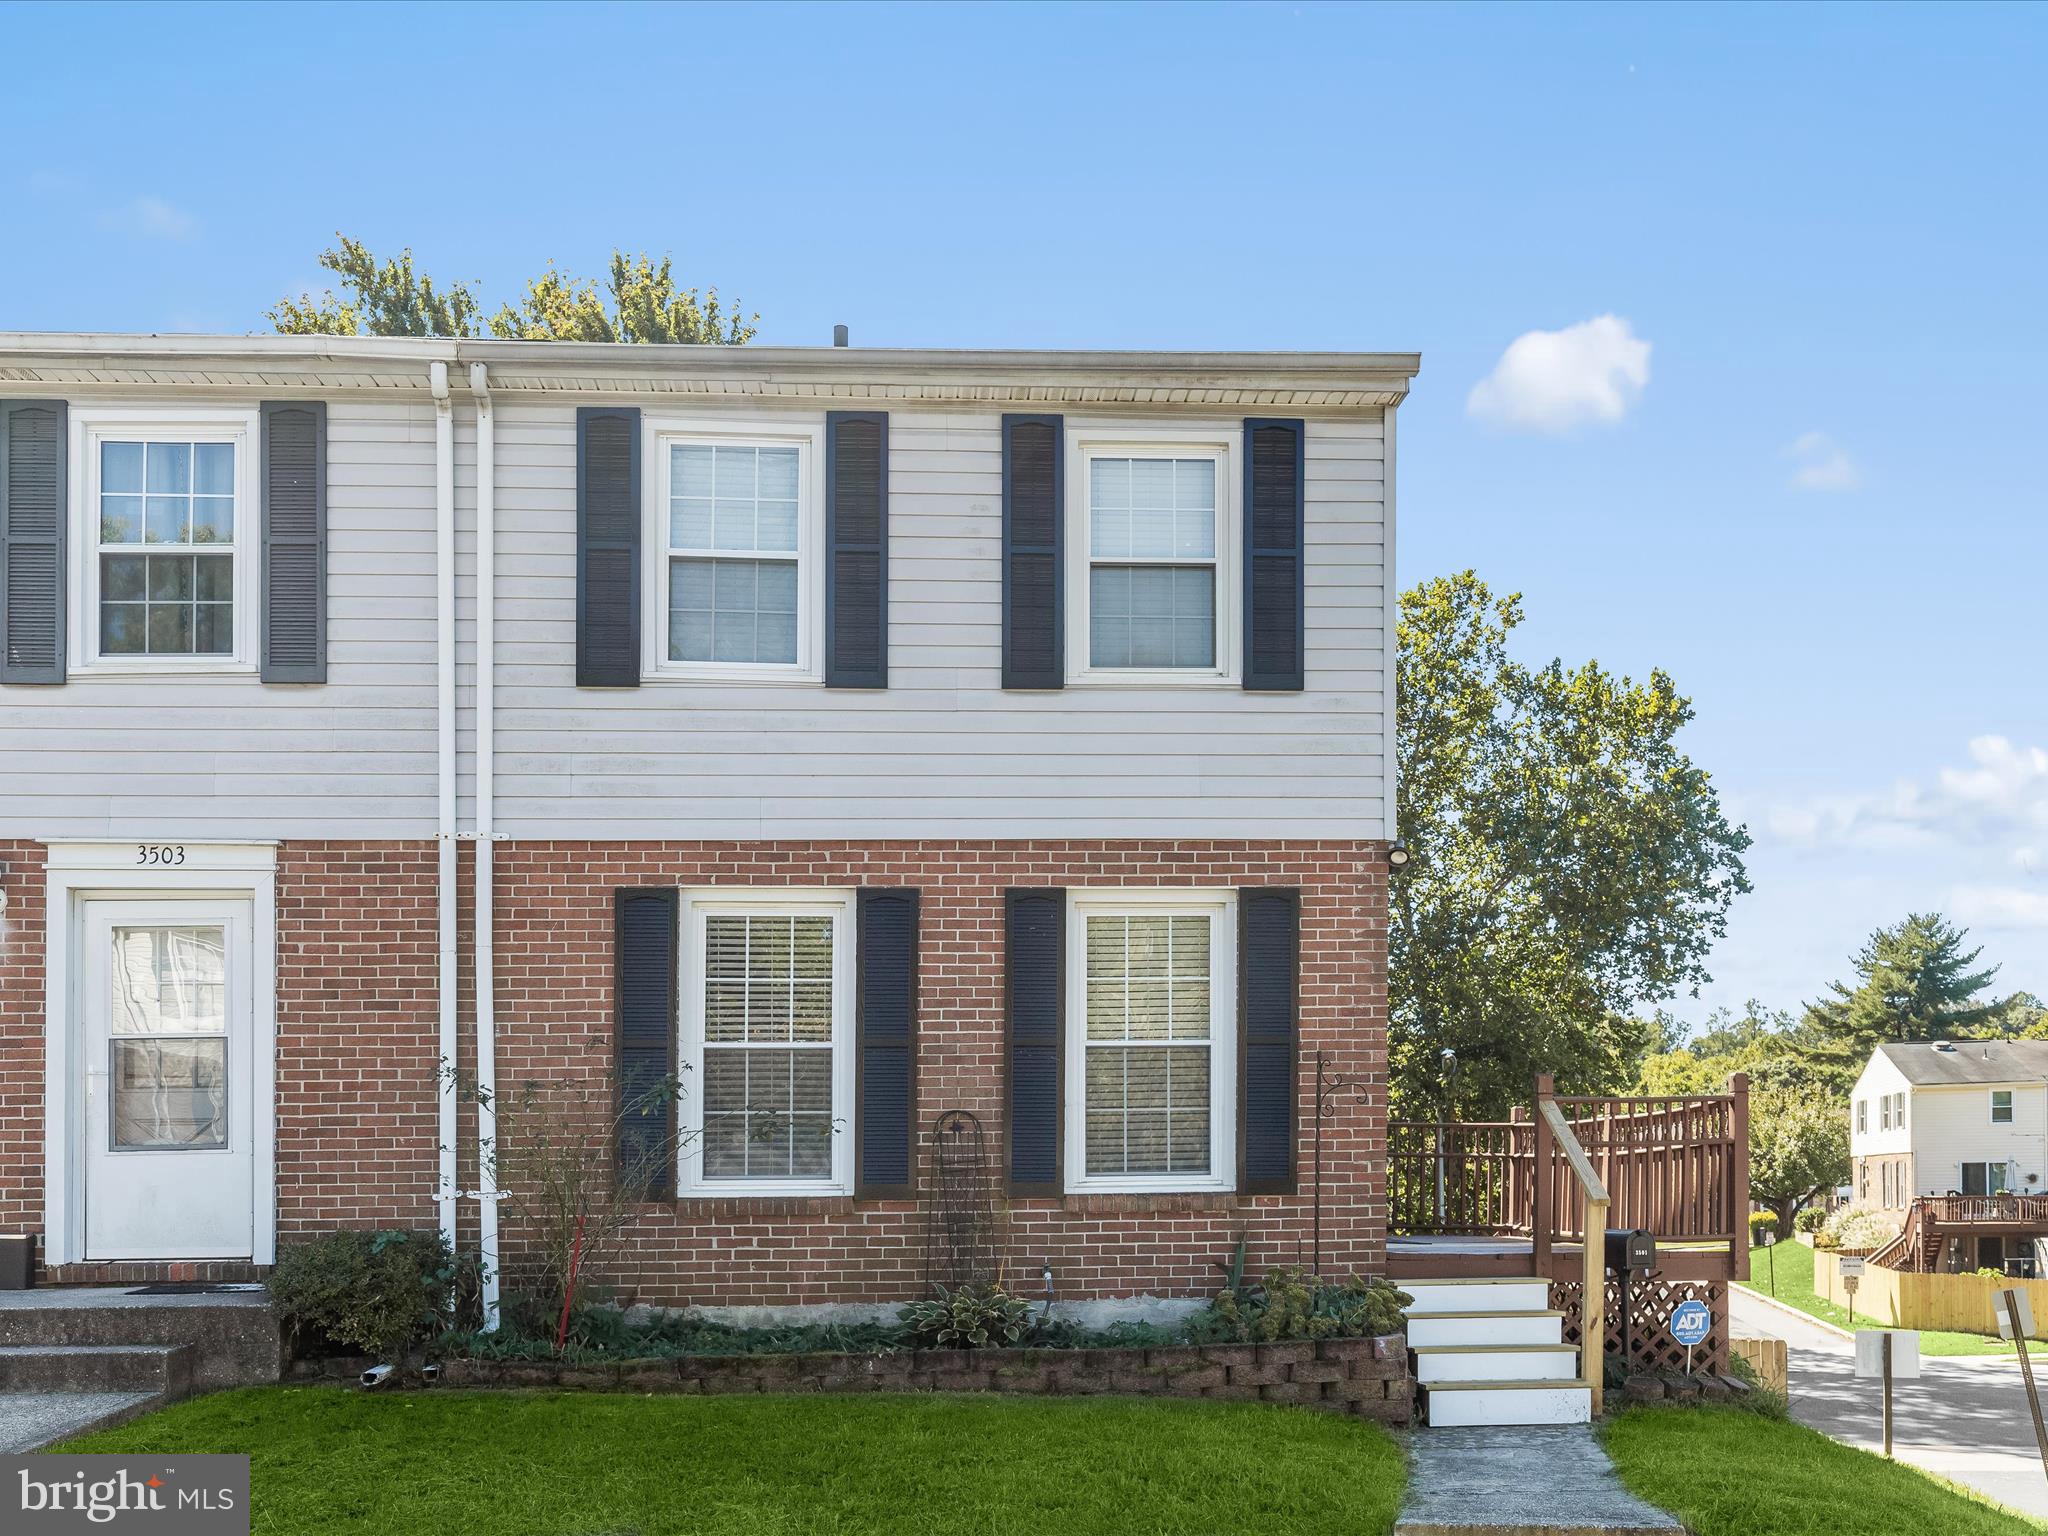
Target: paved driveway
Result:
[[1965, 1420]]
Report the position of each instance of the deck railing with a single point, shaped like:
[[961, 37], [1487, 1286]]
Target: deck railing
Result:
[[1677, 1167]]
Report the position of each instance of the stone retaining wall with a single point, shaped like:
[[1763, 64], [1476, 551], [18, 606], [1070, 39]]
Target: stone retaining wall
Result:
[[1366, 1377]]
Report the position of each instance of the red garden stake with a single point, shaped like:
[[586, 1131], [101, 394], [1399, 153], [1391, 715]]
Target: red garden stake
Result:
[[569, 1291]]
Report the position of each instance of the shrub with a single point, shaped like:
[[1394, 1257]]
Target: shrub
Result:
[[1857, 1226], [1810, 1219], [966, 1317], [383, 1293], [1761, 1222], [1293, 1304]]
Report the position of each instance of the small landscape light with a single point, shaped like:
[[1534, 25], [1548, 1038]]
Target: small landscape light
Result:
[[1397, 856]]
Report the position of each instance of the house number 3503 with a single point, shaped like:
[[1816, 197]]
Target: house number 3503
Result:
[[159, 853]]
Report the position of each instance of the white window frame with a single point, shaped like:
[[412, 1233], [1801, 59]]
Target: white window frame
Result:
[[93, 425], [1996, 1095], [1083, 447], [807, 435], [1863, 1117], [696, 906], [1222, 907]]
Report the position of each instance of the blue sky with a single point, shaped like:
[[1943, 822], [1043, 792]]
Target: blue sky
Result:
[[1793, 467]]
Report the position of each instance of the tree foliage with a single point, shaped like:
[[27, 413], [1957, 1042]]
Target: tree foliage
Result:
[[393, 298], [1915, 981], [1570, 865]]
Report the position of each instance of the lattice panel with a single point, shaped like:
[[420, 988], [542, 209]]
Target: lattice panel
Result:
[[1651, 1303]]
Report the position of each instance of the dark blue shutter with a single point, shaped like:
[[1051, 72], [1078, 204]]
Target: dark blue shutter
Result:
[[644, 933], [32, 509], [1035, 994], [293, 482], [857, 549], [1269, 992], [885, 1045], [1275, 555], [1034, 580], [608, 547]]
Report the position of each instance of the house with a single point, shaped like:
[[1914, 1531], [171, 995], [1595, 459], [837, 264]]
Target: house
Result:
[[857, 736], [1962, 1127]]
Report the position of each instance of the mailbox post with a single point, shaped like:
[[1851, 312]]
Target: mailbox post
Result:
[[1630, 1251]]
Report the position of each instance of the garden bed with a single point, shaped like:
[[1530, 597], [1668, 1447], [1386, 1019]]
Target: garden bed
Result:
[[1367, 1377]]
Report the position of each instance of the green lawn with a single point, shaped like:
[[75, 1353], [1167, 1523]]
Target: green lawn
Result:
[[565, 1464], [1794, 1263], [1729, 1473]]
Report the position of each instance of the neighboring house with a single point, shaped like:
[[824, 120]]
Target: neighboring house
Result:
[[1961, 1118], [862, 735]]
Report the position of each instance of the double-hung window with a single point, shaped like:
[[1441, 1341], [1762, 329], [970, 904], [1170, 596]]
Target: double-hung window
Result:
[[2001, 1106], [741, 524], [167, 525], [766, 1043], [1862, 1116], [1151, 1041], [1153, 562]]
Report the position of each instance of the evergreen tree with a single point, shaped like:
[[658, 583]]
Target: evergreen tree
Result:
[[1915, 981]]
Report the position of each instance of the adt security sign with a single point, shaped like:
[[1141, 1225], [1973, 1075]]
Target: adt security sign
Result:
[[1690, 1324]]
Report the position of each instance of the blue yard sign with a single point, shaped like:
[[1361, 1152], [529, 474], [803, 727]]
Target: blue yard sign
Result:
[[1691, 1322]]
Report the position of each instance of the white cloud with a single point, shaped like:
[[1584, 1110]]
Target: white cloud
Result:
[[1821, 464], [2000, 797], [1553, 381], [1999, 906], [152, 218]]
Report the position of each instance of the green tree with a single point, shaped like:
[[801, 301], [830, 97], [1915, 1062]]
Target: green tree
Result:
[[1915, 981], [1798, 1146], [1569, 864], [392, 298]]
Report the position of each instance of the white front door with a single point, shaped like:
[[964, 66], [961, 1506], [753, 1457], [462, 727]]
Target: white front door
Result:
[[165, 1030]]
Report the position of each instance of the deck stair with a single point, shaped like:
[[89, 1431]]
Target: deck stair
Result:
[[1491, 1351]]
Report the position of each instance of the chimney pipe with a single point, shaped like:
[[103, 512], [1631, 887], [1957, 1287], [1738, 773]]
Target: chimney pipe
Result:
[[838, 335]]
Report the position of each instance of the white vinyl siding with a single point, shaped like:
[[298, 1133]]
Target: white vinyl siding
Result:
[[944, 751], [177, 754]]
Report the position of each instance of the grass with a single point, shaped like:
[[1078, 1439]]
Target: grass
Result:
[[565, 1464], [1729, 1473], [1794, 1263]]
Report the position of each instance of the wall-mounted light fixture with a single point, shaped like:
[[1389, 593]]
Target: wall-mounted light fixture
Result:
[[1397, 856]]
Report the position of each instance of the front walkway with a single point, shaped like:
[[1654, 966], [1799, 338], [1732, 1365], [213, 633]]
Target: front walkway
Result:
[[1965, 1419], [1551, 1479], [31, 1420]]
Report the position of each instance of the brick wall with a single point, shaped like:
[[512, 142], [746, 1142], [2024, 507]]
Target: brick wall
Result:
[[357, 1054]]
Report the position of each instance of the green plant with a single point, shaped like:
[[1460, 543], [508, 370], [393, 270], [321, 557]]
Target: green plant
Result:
[[966, 1317], [1293, 1304], [1858, 1227], [383, 1293], [1760, 1223], [1810, 1219]]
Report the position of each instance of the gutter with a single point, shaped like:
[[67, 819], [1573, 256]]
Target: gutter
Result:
[[486, 837], [445, 1188]]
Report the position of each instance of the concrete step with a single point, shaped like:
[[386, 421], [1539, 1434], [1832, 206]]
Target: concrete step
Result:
[[31, 1420], [1474, 1327], [1494, 1362], [1459, 1403], [1505, 1293], [235, 1338], [163, 1369]]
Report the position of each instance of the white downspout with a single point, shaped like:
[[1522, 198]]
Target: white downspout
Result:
[[486, 975], [444, 599]]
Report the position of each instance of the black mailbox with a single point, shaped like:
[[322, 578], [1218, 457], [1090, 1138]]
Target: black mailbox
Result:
[[1630, 1248]]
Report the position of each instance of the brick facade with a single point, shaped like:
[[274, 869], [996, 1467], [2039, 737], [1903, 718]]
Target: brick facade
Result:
[[356, 946]]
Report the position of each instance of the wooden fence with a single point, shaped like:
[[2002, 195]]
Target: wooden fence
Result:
[[1891, 1298], [1463, 1178]]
